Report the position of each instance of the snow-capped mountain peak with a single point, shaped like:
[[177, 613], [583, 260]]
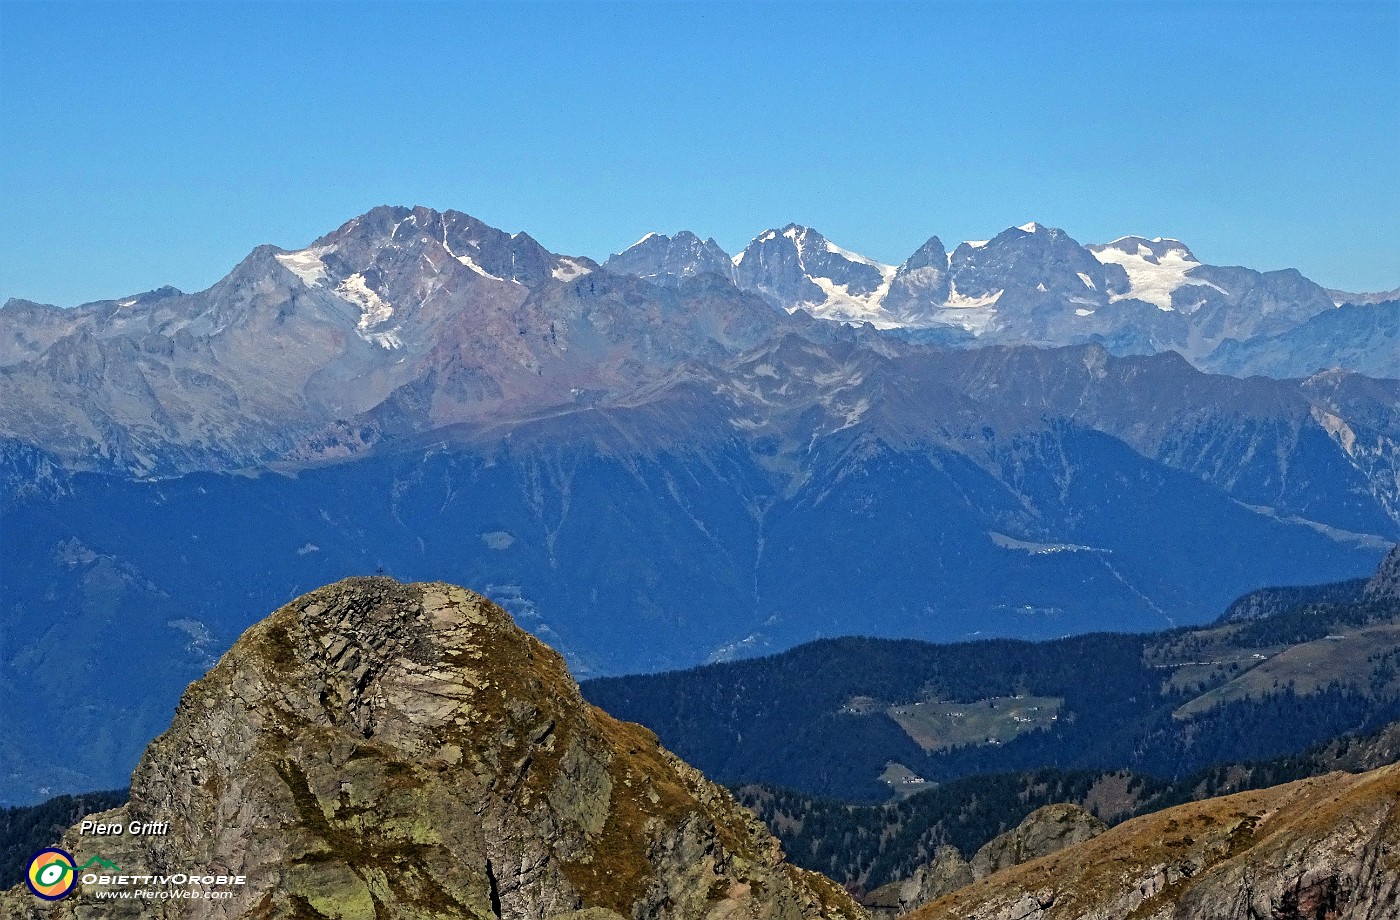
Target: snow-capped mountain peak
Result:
[[796, 267], [1156, 268], [390, 262], [1031, 283]]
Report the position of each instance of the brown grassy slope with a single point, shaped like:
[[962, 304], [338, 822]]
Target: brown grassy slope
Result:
[[1326, 848]]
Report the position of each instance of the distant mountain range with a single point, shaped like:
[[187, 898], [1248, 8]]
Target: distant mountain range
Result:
[[651, 469], [1035, 285], [411, 320]]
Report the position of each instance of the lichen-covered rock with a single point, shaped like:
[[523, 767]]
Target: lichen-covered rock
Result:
[[378, 751]]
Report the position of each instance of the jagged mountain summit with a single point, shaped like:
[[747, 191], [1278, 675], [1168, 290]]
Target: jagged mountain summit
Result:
[[383, 750], [402, 319], [1034, 284], [798, 267], [669, 260], [409, 320]]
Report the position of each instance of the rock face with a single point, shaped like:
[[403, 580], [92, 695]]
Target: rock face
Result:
[[1044, 831], [1364, 338], [669, 260], [1318, 848], [376, 750], [798, 268], [1385, 584], [945, 874]]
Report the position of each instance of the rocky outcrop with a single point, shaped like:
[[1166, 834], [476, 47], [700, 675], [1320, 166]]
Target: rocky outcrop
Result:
[[1318, 848], [946, 873], [377, 750], [1045, 830], [1385, 584]]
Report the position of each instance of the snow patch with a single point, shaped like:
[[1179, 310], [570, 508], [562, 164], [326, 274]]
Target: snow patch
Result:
[[1150, 278], [469, 262], [842, 305], [1083, 312], [959, 301], [306, 264], [567, 269], [1039, 549], [374, 311], [388, 340], [858, 258], [1088, 282]]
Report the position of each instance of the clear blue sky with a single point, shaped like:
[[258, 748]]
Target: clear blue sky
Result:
[[143, 145]]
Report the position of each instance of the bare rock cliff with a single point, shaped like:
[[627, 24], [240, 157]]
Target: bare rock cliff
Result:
[[378, 751]]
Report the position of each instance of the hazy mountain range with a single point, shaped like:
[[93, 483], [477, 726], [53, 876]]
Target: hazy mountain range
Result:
[[1035, 285], [663, 466], [415, 319]]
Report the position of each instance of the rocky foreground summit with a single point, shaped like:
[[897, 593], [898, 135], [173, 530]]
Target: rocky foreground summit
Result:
[[404, 752]]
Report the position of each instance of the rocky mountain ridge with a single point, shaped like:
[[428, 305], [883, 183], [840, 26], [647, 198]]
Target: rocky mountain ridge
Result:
[[1319, 847], [413, 320], [406, 319], [1036, 285]]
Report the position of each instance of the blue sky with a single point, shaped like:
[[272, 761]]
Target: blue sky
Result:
[[142, 145]]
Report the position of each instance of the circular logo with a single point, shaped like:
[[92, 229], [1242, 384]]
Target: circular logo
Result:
[[51, 874]]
